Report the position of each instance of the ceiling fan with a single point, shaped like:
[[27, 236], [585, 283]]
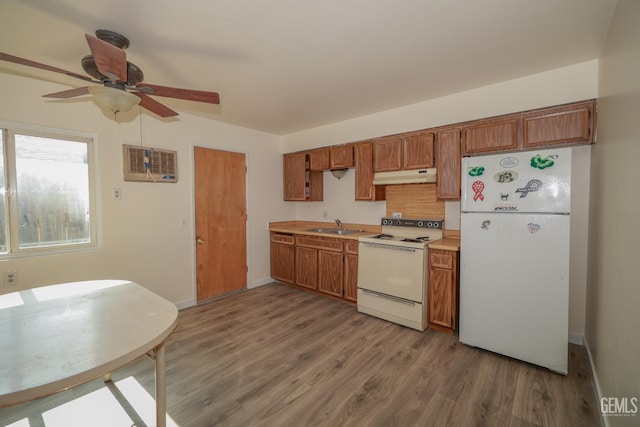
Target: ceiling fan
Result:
[[122, 81]]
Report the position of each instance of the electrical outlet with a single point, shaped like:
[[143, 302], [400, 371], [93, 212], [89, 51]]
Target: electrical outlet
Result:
[[116, 193], [397, 215], [10, 278], [325, 214]]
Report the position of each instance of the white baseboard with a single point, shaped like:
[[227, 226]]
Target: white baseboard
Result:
[[256, 283], [576, 338], [260, 282], [596, 383], [186, 304]]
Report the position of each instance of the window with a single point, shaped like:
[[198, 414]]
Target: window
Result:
[[47, 192]]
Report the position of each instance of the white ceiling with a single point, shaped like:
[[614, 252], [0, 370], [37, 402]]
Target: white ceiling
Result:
[[283, 66]]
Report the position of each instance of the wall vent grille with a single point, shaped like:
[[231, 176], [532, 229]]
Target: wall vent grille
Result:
[[148, 164]]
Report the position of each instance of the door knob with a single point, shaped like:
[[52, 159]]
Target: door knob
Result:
[[200, 241]]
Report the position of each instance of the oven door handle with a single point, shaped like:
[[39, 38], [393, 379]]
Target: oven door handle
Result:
[[389, 297], [395, 248]]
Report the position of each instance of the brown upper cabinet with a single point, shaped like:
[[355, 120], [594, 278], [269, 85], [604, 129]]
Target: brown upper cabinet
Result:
[[341, 156], [387, 154], [442, 147], [568, 124], [448, 154], [301, 183], [560, 125], [409, 151], [491, 135], [365, 190], [319, 159], [417, 151]]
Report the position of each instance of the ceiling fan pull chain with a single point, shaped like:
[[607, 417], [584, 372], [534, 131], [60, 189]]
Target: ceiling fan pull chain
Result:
[[141, 136]]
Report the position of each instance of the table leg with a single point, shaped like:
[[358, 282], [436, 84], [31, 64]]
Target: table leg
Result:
[[161, 392]]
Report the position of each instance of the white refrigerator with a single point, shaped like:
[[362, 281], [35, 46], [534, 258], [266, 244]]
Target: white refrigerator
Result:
[[514, 259]]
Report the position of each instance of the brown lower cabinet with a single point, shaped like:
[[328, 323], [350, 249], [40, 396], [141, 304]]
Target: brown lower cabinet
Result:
[[351, 270], [307, 267], [443, 290], [324, 264], [282, 257], [330, 272]]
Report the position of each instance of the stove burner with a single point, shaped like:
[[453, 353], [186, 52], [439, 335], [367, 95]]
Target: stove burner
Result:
[[417, 239], [383, 236]]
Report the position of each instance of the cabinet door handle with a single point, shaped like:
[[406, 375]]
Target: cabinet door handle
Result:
[[200, 241]]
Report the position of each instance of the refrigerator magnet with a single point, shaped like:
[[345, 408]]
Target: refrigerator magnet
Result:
[[504, 177], [539, 162], [533, 228], [532, 185], [476, 171], [509, 162], [477, 188], [485, 224]]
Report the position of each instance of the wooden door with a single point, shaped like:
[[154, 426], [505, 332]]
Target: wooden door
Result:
[[221, 218]]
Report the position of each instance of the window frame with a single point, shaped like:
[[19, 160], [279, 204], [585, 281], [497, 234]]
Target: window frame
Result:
[[9, 130]]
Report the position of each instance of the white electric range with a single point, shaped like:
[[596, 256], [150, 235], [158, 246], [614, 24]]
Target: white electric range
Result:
[[392, 270]]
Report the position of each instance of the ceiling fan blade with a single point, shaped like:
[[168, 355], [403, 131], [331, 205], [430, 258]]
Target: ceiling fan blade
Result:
[[189, 95], [34, 64], [154, 106], [110, 60], [79, 91]]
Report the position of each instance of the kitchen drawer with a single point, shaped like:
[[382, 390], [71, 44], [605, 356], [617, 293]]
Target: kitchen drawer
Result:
[[396, 310], [441, 259], [286, 239], [319, 242], [351, 247]]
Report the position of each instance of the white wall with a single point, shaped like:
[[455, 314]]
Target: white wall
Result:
[[142, 238], [573, 83], [613, 299], [339, 202]]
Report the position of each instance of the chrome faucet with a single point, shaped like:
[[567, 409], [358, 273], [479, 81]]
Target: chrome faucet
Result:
[[339, 223]]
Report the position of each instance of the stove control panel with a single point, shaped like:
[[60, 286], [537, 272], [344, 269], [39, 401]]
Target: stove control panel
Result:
[[433, 224]]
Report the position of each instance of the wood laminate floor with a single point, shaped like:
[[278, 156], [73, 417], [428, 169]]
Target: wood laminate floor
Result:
[[278, 356]]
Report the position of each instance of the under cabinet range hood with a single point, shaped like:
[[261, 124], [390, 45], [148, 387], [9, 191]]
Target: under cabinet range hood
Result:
[[413, 176]]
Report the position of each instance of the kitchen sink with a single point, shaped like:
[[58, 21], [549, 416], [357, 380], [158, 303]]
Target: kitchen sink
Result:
[[334, 230]]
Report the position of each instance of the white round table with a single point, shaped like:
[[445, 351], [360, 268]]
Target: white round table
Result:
[[59, 336]]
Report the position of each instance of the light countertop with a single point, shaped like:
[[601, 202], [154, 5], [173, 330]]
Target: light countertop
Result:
[[302, 227], [447, 244]]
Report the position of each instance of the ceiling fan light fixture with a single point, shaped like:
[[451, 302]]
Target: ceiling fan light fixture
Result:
[[116, 100]]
